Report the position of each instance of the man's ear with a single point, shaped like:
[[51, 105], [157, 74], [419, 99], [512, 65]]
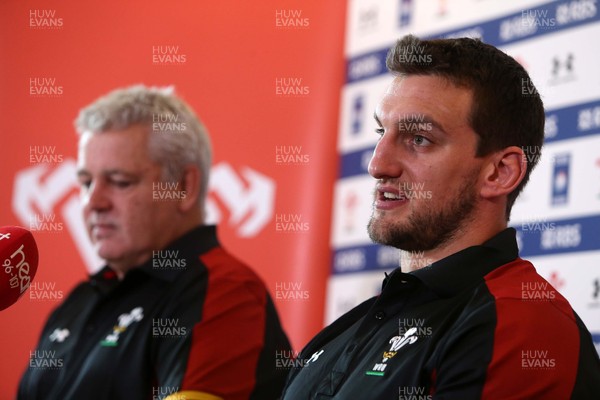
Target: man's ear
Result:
[[190, 182], [504, 171]]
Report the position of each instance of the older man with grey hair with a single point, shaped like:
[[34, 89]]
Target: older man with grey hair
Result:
[[172, 315]]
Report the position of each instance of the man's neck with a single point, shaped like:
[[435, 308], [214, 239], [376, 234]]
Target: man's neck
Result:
[[474, 236]]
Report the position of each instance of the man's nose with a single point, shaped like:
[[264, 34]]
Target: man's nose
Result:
[[96, 197], [386, 161]]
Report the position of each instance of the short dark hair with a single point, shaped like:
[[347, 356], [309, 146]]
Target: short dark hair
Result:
[[507, 109]]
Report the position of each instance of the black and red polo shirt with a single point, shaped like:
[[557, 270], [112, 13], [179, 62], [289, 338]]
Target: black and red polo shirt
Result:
[[479, 324], [190, 322]]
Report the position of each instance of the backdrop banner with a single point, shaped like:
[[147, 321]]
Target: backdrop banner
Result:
[[557, 217], [265, 79]]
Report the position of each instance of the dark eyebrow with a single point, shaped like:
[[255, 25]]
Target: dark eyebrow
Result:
[[422, 119], [83, 172], [376, 118]]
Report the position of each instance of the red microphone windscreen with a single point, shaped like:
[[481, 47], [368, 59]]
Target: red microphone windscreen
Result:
[[19, 257]]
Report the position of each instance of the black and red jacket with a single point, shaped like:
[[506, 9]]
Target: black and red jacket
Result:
[[479, 324], [190, 321]]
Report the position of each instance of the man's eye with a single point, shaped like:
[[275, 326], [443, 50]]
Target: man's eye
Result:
[[379, 131], [121, 184], [85, 184], [420, 140]]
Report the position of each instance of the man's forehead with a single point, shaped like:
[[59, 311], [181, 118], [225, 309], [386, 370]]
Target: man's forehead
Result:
[[423, 93], [403, 83], [84, 137], [113, 150], [130, 139]]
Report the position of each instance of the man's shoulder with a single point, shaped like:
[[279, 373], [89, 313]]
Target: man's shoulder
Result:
[[229, 266], [517, 289], [223, 268], [516, 297], [519, 280]]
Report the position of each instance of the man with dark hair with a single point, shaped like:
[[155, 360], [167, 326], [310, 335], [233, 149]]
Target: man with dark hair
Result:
[[172, 315], [463, 317]]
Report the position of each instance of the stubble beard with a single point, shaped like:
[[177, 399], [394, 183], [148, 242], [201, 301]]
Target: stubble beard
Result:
[[429, 228]]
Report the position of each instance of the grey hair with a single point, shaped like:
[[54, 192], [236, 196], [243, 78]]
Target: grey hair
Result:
[[177, 138]]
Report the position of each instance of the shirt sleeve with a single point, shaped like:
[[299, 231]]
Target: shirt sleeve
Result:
[[220, 355], [510, 349]]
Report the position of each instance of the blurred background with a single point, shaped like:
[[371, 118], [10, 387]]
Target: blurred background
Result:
[[287, 91]]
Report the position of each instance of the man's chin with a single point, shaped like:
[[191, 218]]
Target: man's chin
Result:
[[394, 236], [380, 232], [106, 252]]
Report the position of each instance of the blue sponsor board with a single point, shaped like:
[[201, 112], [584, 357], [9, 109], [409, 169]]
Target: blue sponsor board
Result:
[[534, 22], [535, 238], [357, 115], [525, 24], [366, 66], [596, 339], [367, 257], [572, 122], [405, 11], [356, 162], [545, 237], [561, 179], [372, 257]]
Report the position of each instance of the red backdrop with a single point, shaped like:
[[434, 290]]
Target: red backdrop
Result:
[[236, 63]]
